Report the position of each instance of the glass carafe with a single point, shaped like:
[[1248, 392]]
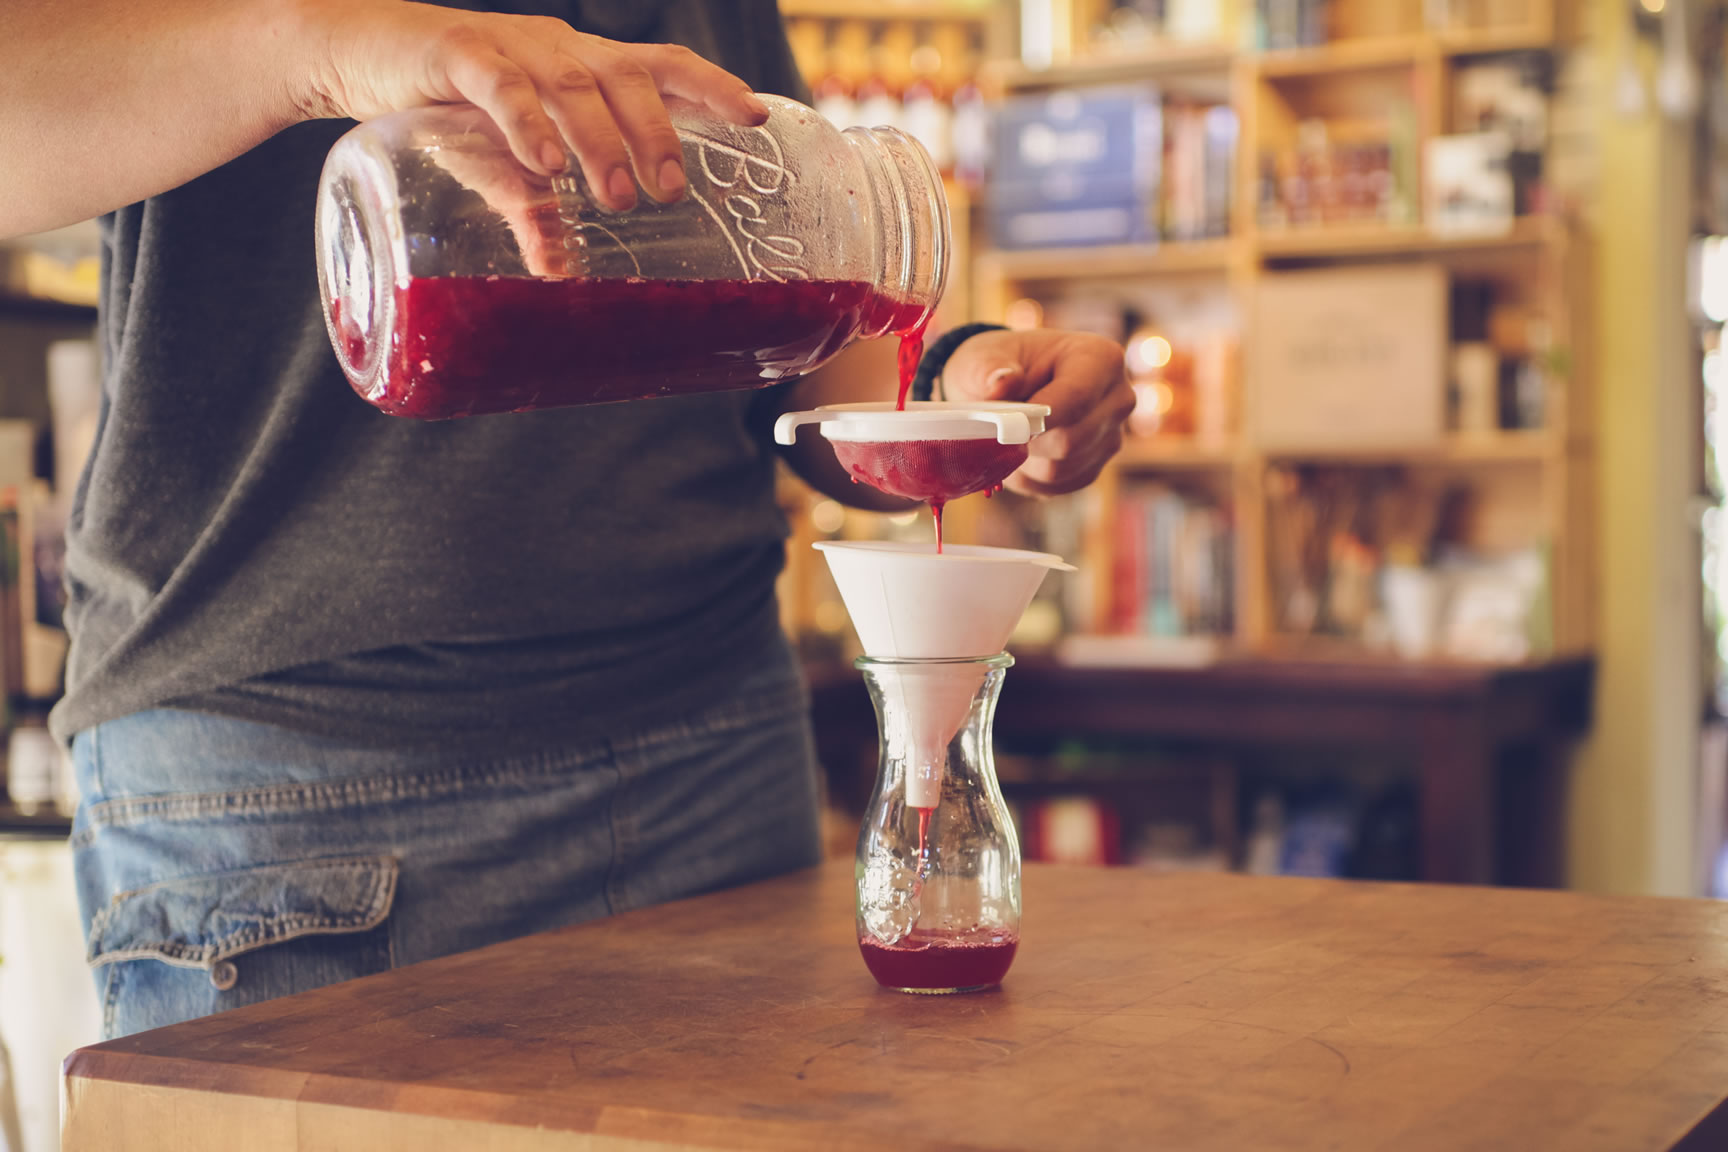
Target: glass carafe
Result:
[[938, 861], [456, 281]]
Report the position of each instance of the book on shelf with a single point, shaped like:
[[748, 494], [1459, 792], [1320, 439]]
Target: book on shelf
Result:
[[1282, 25], [1070, 830], [1341, 172], [32, 641], [1174, 565], [1112, 165], [1198, 166]]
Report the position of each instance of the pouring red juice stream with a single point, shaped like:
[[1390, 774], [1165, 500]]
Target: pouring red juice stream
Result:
[[932, 472]]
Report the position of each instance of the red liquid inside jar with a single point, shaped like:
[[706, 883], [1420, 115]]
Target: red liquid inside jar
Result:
[[469, 345], [939, 964]]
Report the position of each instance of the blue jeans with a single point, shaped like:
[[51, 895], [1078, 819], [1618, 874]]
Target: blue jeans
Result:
[[222, 862]]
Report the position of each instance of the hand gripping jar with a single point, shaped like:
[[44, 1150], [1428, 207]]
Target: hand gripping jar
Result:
[[457, 282]]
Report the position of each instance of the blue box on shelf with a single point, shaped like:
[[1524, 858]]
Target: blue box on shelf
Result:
[[1073, 168]]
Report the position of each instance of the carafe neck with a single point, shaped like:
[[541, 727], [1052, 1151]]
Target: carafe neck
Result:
[[935, 718]]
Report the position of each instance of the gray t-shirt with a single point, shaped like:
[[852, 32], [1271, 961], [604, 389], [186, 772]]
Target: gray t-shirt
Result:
[[252, 539]]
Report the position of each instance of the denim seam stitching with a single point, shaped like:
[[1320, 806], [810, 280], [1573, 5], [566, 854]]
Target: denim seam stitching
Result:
[[377, 863], [306, 797], [278, 930], [325, 795], [110, 1000]]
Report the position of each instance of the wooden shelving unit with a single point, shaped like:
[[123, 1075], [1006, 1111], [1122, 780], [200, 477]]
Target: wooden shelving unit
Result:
[[1334, 241], [1536, 482], [1527, 446], [885, 9], [1488, 741], [46, 822], [1545, 473], [1156, 454], [1120, 260], [1168, 61]]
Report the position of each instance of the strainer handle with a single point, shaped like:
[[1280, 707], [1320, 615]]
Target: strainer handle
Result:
[[786, 428], [1011, 427]]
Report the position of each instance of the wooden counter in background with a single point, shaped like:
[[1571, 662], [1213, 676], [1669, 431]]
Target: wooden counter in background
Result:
[[1490, 745], [1185, 1011]]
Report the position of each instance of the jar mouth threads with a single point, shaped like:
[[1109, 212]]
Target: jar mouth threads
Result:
[[916, 239], [357, 275]]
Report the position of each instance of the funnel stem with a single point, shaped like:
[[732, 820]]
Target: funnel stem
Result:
[[924, 815]]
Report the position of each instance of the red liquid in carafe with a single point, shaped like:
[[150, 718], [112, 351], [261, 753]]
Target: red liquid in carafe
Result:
[[931, 963], [467, 345]]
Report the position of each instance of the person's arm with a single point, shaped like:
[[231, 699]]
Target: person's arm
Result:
[[1080, 376], [106, 102], [865, 371]]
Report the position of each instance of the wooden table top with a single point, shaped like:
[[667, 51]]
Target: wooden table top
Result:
[[1178, 1011]]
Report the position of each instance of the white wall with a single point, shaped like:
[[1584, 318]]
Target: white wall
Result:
[[47, 1000]]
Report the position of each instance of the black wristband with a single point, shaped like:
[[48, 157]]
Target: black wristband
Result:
[[936, 356]]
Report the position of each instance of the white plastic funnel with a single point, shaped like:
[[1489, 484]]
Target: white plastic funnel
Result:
[[908, 602], [926, 702]]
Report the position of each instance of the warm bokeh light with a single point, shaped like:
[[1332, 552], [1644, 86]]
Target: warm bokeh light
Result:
[[827, 516], [1152, 400], [1024, 314], [1147, 353]]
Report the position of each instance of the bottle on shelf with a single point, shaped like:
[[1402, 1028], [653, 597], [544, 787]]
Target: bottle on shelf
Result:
[[880, 96], [847, 56], [971, 116], [927, 109], [809, 42]]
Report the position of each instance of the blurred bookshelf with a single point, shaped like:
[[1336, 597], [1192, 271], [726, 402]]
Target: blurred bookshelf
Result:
[[1299, 149], [50, 822], [1134, 65], [1115, 260], [966, 10], [1260, 131]]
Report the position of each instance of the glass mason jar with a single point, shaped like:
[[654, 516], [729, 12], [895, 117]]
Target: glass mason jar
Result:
[[456, 281], [938, 860]]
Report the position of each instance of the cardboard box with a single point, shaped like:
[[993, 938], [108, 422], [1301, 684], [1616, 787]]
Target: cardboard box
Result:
[[1349, 358]]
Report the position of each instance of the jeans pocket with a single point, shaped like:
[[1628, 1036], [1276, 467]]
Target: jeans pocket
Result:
[[201, 944]]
